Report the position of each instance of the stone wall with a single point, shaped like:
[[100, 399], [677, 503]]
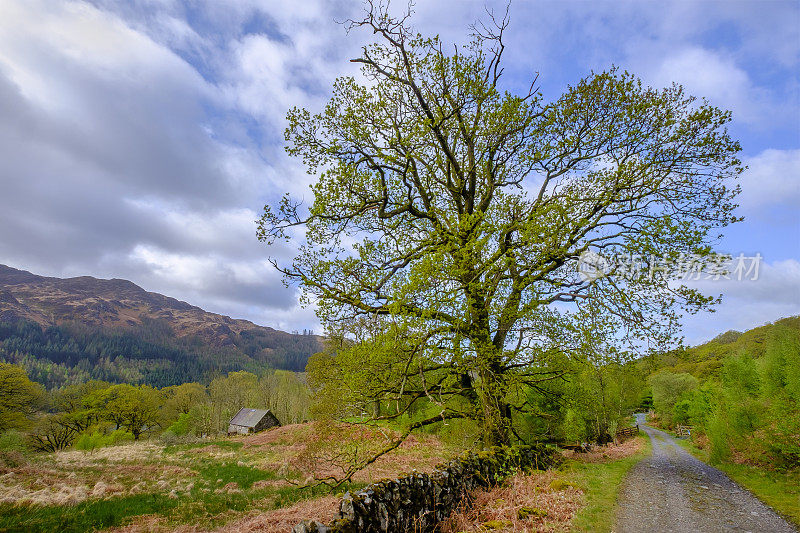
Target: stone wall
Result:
[[419, 501]]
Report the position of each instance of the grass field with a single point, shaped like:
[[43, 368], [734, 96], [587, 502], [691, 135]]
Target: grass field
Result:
[[238, 483], [254, 483]]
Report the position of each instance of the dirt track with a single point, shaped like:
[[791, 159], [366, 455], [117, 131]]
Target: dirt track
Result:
[[671, 491]]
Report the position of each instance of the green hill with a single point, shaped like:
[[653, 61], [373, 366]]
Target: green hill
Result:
[[705, 361]]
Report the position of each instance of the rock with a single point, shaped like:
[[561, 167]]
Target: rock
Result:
[[310, 526], [560, 484], [419, 501], [496, 524], [528, 512]]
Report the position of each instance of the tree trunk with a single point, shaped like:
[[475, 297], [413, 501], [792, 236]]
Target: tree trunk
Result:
[[495, 411]]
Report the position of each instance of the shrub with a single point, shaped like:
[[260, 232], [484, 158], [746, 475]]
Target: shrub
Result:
[[182, 426], [98, 438], [573, 427], [680, 413], [719, 437], [11, 459], [12, 441], [784, 434]]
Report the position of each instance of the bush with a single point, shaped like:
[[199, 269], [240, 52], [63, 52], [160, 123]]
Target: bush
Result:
[[11, 459], [97, 438], [13, 441], [680, 413], [182, 426], [784, 434], [719, 436]]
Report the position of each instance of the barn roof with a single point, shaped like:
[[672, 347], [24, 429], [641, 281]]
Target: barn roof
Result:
[[248, 417]]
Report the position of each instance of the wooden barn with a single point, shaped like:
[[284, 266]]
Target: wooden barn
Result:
[[252, 421]]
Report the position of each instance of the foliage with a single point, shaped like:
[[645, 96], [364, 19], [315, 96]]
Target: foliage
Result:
[[287, 395], [18, 397], [180, 399], [603, 393], [183, 425], [96, 413], [451, 213], [573, 427], [12, 440], [98, 438], [136, 409], [668, 388], [748, 408]]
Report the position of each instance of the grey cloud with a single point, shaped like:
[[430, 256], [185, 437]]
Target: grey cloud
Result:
[[219, 286], [175, 152]]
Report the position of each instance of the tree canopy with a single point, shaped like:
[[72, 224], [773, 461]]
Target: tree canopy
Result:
[[18, 397], [450, 212]]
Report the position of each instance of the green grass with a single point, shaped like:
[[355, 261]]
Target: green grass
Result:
[[209, 510], [202, 508], [779, 490], [601, 483], [224, 473], [85, 516]]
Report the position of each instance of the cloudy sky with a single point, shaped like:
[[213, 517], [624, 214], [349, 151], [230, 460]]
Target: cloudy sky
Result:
[[140, 139]]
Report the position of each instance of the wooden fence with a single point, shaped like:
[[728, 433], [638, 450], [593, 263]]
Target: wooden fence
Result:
[[630, 431]]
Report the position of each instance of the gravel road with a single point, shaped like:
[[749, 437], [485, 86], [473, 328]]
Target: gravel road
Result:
[[672, 491]]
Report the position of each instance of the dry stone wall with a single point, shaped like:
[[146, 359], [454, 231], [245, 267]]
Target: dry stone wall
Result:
[[419, 501]]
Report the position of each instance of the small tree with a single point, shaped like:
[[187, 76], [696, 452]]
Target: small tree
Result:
[[669, 388], [179, 400], [231, 393], [133, 408], [52, 434], [453, 212], [18, 397]]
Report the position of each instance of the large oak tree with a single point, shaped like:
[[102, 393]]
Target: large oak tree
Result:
[[449, 213]]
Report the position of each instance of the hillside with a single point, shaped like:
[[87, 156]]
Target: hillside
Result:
[[705, 360], [115, 330]]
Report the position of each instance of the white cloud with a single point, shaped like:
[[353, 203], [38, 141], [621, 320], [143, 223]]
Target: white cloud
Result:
[[771, 181], [747, 303], [40, 39], [118, 162], [140, 138], [708, 74]]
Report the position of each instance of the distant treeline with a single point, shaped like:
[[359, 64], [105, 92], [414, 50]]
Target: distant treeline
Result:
[[147, 354], [98, 413]]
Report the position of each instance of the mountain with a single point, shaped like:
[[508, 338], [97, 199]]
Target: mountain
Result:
[[113, 329]]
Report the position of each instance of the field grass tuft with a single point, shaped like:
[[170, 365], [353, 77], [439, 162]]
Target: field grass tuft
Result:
[[85, 516]]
